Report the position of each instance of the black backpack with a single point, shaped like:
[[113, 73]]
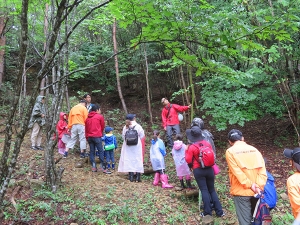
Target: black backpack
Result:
[[131, 136]]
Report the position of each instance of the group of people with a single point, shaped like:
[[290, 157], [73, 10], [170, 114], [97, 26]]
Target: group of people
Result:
[[246, 165]]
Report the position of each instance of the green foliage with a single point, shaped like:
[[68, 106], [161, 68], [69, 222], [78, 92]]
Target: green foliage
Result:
[[240, 98]]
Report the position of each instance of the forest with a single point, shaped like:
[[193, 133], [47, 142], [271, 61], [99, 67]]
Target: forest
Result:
[[236, 62]]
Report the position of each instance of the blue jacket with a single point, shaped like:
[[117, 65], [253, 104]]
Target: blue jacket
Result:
[[110, 139]]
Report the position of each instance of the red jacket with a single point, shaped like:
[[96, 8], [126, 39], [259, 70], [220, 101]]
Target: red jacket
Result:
[[62, 125], [94, 125], [172, 118], [192, 155]]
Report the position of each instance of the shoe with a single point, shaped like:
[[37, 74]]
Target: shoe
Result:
[[189, 185], [182, 184], [138, 177], [130, 176], [34, 148], [202, 214], [106, 171], [40, 148], [223, 214], [164, 181], [82, 155], [65, 155], [94, 169]]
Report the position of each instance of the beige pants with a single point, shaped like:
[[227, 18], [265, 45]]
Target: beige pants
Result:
[[36, 135]]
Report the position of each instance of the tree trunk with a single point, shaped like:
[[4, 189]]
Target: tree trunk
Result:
[[3, 21], [42, 92], [148, 89], [117, 66], [6, 169]]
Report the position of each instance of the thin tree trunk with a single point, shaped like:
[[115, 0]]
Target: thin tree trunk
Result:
[[45, 44], [3, 21], [147, 83], [6, 169], [117, 66]]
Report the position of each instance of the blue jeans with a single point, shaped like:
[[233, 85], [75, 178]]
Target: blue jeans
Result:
[[110, 157], [171, 129], [206, 181], [96, 142]]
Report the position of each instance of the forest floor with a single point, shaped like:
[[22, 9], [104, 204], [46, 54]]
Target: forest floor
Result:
[[97, 198]]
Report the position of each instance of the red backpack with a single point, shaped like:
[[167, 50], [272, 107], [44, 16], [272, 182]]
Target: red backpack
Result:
[[206, 154]]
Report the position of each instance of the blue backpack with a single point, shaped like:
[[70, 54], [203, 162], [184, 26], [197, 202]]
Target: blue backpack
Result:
[[270, 195]]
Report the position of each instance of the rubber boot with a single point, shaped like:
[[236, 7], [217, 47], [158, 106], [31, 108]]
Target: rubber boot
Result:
[[189, 185], [138, 177], [130, 174], [182, 184], [156, 179], [164, 181]]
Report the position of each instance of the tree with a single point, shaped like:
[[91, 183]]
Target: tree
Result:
[[51, 60]]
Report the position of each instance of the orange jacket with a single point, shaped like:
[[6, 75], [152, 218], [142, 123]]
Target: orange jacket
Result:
[[293, 187], [246, 166], [77, 115]]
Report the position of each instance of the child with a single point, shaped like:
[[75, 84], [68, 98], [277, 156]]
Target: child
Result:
[[293, 182], [182, 168], [157, 153], [62, 128], [110, 144]]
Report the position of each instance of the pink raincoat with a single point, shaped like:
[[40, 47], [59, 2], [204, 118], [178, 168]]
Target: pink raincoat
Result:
[[178, 153]]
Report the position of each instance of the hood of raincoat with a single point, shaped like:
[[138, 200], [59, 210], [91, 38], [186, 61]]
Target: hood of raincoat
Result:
[[39, 98], [61, 115], [177, 145]]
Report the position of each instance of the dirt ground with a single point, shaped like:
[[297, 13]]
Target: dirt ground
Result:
[[268, 135]]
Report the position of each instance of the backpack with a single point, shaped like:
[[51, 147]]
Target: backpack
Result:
[[131, 136], [270, 195], [206, 154], [261, 215]]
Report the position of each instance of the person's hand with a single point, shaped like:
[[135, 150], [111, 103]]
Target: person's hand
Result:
[[190, 105], [42, 115], [165, 128], [255, 188]]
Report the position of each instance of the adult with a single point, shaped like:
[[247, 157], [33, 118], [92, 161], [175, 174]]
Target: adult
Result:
[[293, 182], [247, 174], [205, 177], [37, 121], [131, 159], [76, 124], [170, 121], [94, 126], [206, 134], [88, 99]]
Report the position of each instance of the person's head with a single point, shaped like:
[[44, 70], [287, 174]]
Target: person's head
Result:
[[129, 119], [40, 99], [235, 135], [164, 101], [108, 130], [95, 108], [65, 116], [294, 156], [82, 102], [156, 134], [198, 122], [194, 134], [87, 98], [179, 137]]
